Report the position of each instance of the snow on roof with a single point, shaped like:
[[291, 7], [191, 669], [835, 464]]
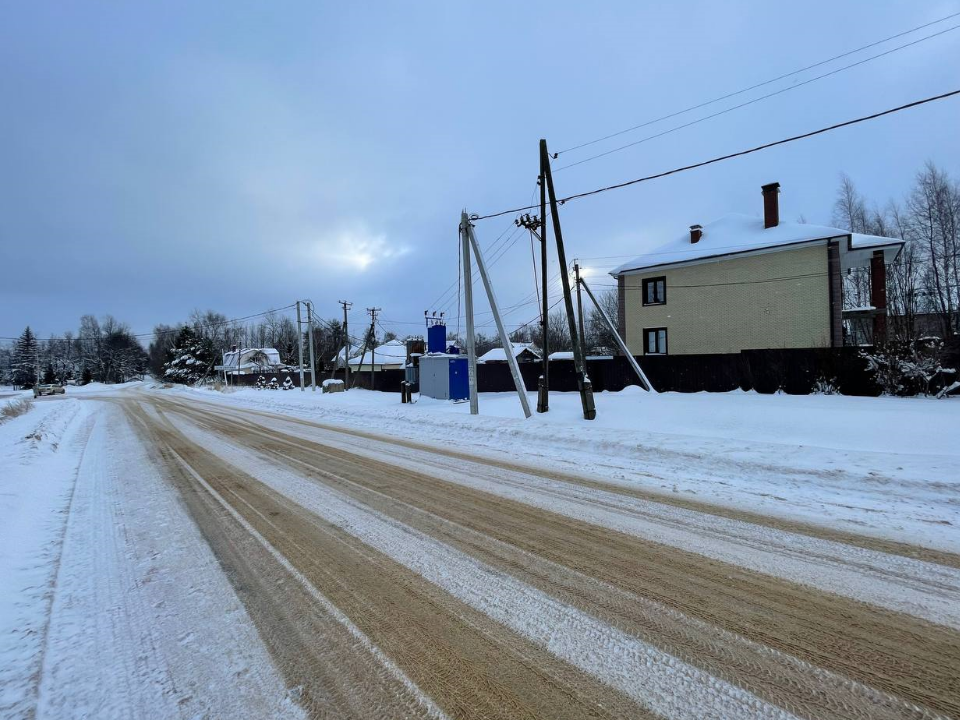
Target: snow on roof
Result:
[[390, 353], [498, 354], [737, 233], [568, 355], [230, 357]]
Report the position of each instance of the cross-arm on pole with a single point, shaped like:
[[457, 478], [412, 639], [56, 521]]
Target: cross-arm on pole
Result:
[[495, 309]]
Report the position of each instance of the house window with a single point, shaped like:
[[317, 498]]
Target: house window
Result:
[[654, 341], [655, 291]]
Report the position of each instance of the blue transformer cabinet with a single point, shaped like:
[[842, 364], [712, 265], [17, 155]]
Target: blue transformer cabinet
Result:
[[459, 379], [436, 338], [444, 377]]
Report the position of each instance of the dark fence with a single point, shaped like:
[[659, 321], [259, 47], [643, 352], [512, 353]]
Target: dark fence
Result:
[[797, 372], [383, 380]]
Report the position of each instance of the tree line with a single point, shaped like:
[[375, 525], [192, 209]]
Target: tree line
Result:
[[101, 350], [923, 285]]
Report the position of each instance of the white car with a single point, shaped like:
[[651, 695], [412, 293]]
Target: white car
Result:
[[39, 390]]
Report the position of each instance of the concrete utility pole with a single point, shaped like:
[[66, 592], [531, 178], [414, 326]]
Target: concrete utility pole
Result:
[[586, 389], [495, 309], [373, 343], [623, 346], [346, 346], [313, 364], [468, 308], [300, 344]]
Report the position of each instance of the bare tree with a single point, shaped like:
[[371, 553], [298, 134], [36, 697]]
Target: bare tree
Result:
[[933, 209], [850, 213], [599, 337], [558, 332], [904, 277]]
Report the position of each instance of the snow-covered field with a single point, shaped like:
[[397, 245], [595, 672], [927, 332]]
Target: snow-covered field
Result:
[[889, 467]]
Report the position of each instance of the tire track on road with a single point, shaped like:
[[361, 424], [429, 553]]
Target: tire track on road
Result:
[[467, 663], [890, 651], [883, 545]]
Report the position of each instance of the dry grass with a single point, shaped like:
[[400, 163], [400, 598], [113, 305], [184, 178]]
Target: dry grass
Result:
[[14, 408]]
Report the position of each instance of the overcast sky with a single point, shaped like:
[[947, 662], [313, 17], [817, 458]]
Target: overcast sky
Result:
[[162, 157]]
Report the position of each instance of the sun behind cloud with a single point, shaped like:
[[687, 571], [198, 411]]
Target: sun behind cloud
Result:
[[357, 248]]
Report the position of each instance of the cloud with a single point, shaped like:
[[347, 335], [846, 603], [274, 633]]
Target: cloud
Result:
[[356, 247]]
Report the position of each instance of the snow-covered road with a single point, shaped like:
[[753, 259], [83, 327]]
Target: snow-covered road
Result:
[[199, 559]]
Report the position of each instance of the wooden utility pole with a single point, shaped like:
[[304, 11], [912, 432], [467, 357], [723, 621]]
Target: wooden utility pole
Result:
[[495, 309], [543, 394], [373, 343], [346, 346], [363, 354], [299, 345], [313, 362], [468, 308], [583, 384], [533, 224], [623, 346], [583, 335]]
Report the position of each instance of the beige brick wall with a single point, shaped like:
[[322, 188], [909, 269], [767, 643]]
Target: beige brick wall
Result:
[[745, 314]]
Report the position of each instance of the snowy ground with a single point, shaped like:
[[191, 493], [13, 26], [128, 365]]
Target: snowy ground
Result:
[[888, 467], [118, 602], [107, 585]]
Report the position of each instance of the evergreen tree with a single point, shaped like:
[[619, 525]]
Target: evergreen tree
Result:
[[86, 377], [191, 358], [25, 354], [48, 377]]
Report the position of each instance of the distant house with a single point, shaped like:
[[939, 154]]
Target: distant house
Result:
[[743, 282], [568, 355], [523, 352], [389, 356], [338, 360], [251, 360]]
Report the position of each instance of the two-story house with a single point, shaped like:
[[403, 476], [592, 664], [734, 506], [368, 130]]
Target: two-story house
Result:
[[743, 282]]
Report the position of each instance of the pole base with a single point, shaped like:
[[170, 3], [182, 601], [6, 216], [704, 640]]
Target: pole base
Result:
[[589, 409], [543, 396]]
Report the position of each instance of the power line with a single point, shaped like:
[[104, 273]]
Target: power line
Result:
[[492, 260], [730, 156], [749, 102], [450, 287], [758, 85]]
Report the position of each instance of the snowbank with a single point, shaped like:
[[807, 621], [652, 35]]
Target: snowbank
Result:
[[40, 452]]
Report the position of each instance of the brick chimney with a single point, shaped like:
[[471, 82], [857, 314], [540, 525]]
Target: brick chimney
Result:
[[771, 204], [696, 232]]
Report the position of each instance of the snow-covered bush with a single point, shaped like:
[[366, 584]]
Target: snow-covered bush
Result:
[[191, 358], [910, 367], [825, 386]]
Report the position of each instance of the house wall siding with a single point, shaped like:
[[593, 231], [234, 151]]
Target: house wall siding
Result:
[[704, 315]]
